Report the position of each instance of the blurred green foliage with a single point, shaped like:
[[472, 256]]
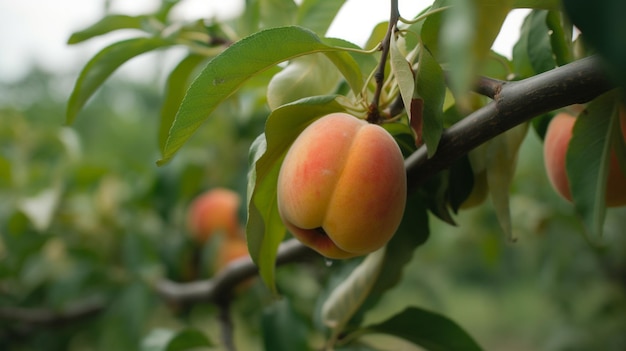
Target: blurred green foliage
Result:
[[86, 216]]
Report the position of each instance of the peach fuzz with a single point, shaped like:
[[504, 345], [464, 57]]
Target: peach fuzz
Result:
[[212, 212], [556, 143], [342, 186]]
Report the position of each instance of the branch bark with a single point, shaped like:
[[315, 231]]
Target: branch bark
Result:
[[513, 103], [221, 286]]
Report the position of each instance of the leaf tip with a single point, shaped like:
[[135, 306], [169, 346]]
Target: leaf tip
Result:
[[163, 161]]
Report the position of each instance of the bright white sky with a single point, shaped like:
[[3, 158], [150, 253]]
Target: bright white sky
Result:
[[36, 31]]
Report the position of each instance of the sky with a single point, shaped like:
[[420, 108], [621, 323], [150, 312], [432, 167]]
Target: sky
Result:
[[35, 32]]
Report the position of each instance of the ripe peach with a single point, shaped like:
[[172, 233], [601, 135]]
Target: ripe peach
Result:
[[342, 186], [214, 211], [555, 147]]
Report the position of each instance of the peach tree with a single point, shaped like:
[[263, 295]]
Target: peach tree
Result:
[[457, 111]]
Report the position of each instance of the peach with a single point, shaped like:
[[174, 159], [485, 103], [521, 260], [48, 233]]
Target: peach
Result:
[[212, 212], [342, 186], [556, 143]]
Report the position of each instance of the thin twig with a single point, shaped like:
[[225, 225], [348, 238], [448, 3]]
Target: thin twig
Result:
[[379, 77], [226, 324], [516, 103], [489, 87]]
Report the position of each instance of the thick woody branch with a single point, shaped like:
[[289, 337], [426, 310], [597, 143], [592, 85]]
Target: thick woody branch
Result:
[[513, 103], [221, 286]]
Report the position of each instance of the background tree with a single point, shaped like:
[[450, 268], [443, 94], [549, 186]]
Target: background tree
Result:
[[98, 255]]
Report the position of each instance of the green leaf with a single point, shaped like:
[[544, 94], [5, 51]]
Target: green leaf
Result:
[[497, 66], [249, 20], [344, 301], [533, 52], [106, 25], [305, 76], [103, 64], [163, 12], [169, 340], [188, 339], [175, 87], [228, 71], [560, 37], [521, 61], [413, 232], [431, 27], [436, 191], [461, 181], [264, 228], [403, 134], [351, 63], [500, 164], [432, 331], [283, 329], [468, 31], [277, 13], [402, 72], [539, 46], [430, 86], [317, 15], [378, 34], [588, 158]]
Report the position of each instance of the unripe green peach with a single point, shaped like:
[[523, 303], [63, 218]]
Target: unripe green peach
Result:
[[556, 143], [212, 212], [342, 186]]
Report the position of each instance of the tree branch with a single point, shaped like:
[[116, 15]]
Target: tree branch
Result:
[[26, 319], [514, 103], [219, 287]]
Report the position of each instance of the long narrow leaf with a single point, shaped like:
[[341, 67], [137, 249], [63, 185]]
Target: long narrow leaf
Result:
[[317, 15], [501, 163], [432, 331], [227, 72], [403, 73], [430, 85], [587, 160], [413, 232], [176, 85], [106, 25], [468, 32], [103, 64], [346, 299]]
